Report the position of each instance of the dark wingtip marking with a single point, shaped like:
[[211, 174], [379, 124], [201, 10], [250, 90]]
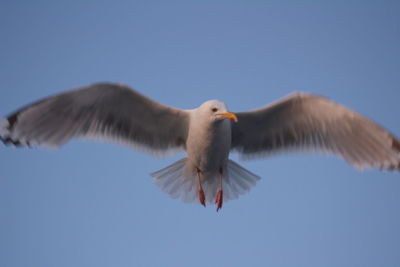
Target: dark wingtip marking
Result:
[[396, 144], [12, 120], [8, 141]]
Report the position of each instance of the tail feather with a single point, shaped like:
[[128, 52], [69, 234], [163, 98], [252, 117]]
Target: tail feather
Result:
[[178, 182], [240, 179]]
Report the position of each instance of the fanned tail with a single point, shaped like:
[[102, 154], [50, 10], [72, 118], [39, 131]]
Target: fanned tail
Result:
[[237, 181], [179, 182], [176, 181]]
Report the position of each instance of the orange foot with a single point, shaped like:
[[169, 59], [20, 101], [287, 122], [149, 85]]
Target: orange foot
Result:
[[202, 197], [218, 200]]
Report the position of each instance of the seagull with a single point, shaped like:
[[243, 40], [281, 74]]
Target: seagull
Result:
[[117, 113]]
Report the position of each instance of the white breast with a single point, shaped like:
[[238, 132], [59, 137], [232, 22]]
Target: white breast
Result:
[[208, 144]]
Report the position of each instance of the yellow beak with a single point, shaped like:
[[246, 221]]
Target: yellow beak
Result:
[[229, 115]]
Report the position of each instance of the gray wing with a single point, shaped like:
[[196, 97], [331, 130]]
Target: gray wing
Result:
[[104, 110], [309, 122]]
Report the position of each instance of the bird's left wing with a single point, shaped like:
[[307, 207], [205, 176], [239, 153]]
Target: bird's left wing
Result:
[[107, 111], [309, 122]]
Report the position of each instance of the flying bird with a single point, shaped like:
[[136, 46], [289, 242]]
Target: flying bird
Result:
[[117, 113]]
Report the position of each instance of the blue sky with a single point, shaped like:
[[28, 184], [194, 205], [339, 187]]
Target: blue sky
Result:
[[94, 204]]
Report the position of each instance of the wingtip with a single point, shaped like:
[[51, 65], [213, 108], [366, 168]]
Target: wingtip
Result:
[[396, 148], [396, 144], [6, 126]]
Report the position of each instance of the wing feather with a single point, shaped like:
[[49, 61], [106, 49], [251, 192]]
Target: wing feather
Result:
[[309, 122], [108, 111]]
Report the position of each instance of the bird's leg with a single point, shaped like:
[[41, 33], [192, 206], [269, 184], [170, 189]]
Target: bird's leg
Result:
[[219, 198], [202, 196]]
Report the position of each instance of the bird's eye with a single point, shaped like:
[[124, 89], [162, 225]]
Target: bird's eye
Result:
[[214, 109]]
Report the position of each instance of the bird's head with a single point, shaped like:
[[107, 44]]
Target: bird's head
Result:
[[217, 111]]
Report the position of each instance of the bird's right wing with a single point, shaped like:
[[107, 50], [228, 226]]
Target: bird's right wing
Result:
[[309, 122], [104, 110]]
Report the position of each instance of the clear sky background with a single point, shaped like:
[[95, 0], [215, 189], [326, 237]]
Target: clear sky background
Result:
[[94, 204]]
